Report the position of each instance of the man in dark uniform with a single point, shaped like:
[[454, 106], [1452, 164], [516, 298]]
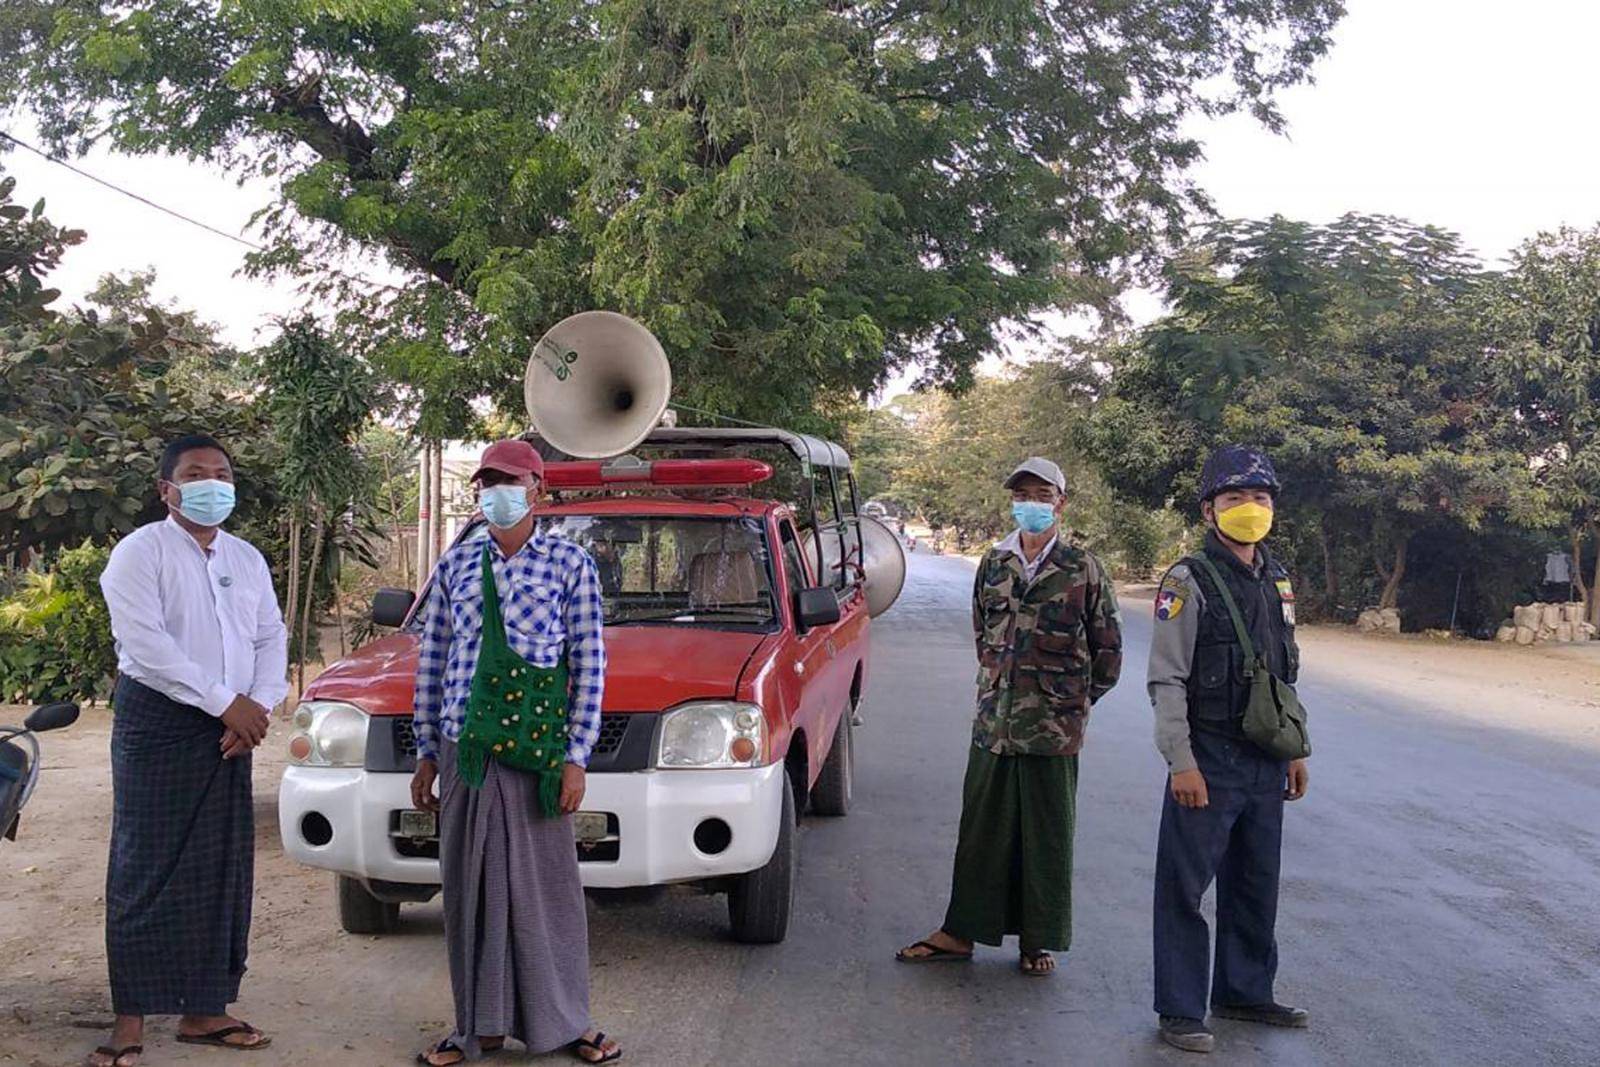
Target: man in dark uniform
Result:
[[1223, 813]]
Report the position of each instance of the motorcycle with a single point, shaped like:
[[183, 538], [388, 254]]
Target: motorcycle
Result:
[[19, 760]]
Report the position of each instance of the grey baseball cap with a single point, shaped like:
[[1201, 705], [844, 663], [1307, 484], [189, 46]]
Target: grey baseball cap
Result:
[[1041, 468]]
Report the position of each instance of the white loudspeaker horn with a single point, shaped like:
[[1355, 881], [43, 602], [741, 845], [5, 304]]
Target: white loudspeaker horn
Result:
[[597, 383], [883, 562]]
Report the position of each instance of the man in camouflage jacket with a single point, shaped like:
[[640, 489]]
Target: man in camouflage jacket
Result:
[[1049, 642]]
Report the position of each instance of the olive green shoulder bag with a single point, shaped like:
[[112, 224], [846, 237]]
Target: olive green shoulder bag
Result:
[[1274, 720]]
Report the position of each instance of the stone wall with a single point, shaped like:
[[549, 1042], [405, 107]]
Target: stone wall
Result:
[[1562, 623], [1379, 621]]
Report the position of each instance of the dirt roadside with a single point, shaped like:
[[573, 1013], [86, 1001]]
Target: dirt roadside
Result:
[[330, 997], [1550, 691]]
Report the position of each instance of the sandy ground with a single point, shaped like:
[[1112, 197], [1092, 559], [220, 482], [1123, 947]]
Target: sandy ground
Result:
[[1550, 691], [325, 994]]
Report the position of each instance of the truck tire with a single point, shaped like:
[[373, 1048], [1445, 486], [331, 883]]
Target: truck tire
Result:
[[836, 784], [362, 913], [759, 902]]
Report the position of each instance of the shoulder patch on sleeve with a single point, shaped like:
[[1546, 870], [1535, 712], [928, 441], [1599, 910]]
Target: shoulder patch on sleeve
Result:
[[1173, 593]]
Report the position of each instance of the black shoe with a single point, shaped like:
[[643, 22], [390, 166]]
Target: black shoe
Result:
[[1265, 1014], [1190, 1035]]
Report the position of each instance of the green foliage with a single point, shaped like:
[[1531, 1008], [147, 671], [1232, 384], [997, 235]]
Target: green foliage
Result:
[[30, 247], [55, 632], [798, 198], [317, 397], [1355, 353], [88, 400], [944, 458], [1545, 313]]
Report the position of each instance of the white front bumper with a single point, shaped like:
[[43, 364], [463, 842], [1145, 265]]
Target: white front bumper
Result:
[[657, 814]]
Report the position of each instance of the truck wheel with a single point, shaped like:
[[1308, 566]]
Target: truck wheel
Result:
[[362, 913], [835, 785], [760, 901]]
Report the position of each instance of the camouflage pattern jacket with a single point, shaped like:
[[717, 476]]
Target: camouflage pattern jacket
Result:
[[1047, 649]]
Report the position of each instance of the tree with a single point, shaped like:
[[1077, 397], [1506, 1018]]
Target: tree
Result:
[[796, 198], [1546, 316], [1354, 353], [318, 398], [86, 403], [944, 458]]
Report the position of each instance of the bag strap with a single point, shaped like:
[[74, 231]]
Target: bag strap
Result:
[[492, 622], [1233, 613]]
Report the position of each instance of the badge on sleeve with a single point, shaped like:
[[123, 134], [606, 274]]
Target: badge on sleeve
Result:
[[1168, 604], [1286, 597]]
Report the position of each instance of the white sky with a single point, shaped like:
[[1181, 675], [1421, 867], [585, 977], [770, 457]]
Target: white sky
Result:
[[1474, 115]]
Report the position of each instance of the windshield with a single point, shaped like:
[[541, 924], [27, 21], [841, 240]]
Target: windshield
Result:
[[658, 570], [671, 570]]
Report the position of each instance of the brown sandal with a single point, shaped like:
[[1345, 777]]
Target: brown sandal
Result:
[[116, 1054]]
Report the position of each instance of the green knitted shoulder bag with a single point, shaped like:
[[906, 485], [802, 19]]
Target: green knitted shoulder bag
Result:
[[516, 712]]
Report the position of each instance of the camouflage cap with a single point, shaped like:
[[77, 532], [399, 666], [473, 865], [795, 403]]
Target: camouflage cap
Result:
[[1040, 468], [1237, 467]]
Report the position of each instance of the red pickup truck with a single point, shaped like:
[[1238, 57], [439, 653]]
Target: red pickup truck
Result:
[[737, 635]]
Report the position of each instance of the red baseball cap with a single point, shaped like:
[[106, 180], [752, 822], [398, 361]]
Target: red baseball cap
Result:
[[511, 457]]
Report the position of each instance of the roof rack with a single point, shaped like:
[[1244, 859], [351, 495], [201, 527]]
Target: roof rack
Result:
[[811, 451]]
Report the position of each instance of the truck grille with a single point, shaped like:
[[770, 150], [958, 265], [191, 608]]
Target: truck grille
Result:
[[405, 738], [612, 727], [624, 744]]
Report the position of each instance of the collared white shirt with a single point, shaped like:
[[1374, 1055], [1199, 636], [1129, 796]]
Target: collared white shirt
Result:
[[1030, 567], [199, 626]]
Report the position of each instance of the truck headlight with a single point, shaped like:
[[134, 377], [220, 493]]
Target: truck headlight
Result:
[[713, 733], [328, 733]]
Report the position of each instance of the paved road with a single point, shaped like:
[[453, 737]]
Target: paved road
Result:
[[1439, 900], [1439, 906]]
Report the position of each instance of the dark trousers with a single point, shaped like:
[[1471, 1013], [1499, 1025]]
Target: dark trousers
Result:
[[1236, 840]]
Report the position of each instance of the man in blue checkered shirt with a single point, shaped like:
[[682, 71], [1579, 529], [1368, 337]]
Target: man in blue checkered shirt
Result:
[[515, 927]]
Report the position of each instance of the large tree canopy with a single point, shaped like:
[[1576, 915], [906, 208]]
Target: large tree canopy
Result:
[[1358, 355], [1545, 313], [798, 197]]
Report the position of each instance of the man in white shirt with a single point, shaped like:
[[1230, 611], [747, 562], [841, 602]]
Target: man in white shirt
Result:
[[202, 658]]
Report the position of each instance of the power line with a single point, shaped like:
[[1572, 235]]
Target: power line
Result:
[[42, 154], [180, 216]]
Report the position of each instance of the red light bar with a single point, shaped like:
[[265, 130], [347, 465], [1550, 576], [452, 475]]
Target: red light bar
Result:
[[596, 474]]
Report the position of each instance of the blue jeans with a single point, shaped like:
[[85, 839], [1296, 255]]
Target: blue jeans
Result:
[[1236, 841]]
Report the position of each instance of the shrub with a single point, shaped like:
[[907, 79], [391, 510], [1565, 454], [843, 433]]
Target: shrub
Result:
[[55, 632]]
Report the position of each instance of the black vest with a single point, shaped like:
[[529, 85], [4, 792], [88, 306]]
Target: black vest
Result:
[[1217, 687]]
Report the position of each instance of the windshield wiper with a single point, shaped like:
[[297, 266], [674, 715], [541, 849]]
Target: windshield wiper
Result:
[[694, 614]]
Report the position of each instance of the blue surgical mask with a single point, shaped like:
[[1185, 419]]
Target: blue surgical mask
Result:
[[504, 505], [206, 503], [1032, 516]]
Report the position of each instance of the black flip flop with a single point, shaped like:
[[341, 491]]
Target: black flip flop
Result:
[[935, 954], [219, 1038], [598, 1045], [1028, 957], [444, 1046], [116, 1054]]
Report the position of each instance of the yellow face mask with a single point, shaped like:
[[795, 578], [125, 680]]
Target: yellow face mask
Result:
[[1245, 523]]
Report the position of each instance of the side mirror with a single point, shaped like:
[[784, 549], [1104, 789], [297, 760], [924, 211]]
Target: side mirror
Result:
[[391, 606], [51, 717], [816, 607]]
